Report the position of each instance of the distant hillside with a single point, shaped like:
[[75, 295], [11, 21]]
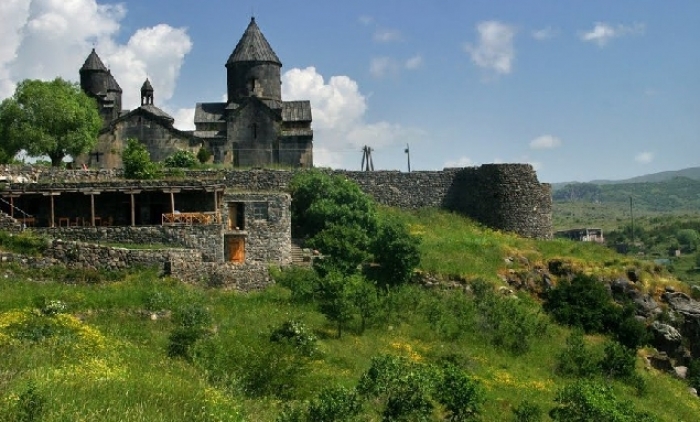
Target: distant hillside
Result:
[[690, 173], [679, 193]]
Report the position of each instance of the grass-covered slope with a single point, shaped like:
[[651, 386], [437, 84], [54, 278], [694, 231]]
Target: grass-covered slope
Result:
[[99, 351]]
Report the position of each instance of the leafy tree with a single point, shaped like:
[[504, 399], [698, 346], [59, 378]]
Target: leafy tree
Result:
[[137, 161], [181, 159], [619, 361], [203, 155], [54, 118], [396, 252], [460, 394], [10, 136], [336, 294], [320, 201], [688, 239], [404, 388]]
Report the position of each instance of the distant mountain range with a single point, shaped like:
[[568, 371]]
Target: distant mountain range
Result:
[[669, 191], [690, 173]]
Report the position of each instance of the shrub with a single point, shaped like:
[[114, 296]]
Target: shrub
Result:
[[137, 162], [586, 401], [402, 387], [336, 294], [334, 405], [461, 395], [296, 334], [583, 302], [618, 361], [527, 412], [181, 159], [30, 406], [302, 282], [511, 323], [694, 374], [577, 359], [203, 155], [192, 321]]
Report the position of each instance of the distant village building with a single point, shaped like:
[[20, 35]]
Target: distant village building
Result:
[[583, 235], [253, 128]]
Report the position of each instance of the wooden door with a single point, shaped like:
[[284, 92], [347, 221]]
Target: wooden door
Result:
[[236, 249]]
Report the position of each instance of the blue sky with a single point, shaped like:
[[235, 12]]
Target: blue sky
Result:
[[583, 90]]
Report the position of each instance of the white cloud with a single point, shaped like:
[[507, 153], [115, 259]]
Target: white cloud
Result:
[[414, 62], [339, 108], [644, 157], [460, 162], [494, 50], [380, 67], [602, 32], [545, 142], [544, 33], [385, 35], [44, 39]]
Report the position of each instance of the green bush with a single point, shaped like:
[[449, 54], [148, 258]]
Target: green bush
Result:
[[203, 155], [577, 359], [585, 401], [396, 254], [583, 302], [181, 159], [192, 322], [298, 335], [334, 405], [527, 412], [302, 282], [137, 162], [512, 324], [618, 361], [461, 395]]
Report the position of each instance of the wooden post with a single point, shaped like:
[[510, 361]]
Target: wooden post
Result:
[[92, 209], [133, 210], [216, 205], [12, 206], [53, 219], [172, 203]]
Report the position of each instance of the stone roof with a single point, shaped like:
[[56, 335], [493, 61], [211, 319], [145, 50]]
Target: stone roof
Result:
[[156, 112], [112, 84], [93, 62], [147, 86], [253, 47], [209, 112], [296, 111]]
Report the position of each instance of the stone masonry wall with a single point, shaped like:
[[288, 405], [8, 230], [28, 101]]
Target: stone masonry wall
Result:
[[92, 256], [242, 277], [208, 239], [502, 196]]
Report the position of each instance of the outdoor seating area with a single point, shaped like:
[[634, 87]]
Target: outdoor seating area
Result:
[[189, 218]]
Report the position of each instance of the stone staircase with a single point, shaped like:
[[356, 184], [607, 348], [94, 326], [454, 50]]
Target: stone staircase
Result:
[[299, 255]]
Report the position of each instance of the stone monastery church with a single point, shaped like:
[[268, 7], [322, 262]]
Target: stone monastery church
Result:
[[253, 128]]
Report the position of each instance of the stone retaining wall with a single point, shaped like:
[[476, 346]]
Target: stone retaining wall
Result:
[[207, 239], [242, 277], [502, 196], [92, 256]]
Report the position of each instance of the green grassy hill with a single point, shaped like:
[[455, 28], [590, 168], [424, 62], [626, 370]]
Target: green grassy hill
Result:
[[98, 349]]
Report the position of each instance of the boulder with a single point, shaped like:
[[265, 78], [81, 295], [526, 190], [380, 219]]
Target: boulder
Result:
[[665, 337], [661, 362], [681, 372], [683, 304]]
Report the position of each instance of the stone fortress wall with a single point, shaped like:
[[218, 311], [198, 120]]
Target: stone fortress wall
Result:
[[501, 196]]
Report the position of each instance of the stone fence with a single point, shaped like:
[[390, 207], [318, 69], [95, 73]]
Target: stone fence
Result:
[[502, 196], [205, 238]]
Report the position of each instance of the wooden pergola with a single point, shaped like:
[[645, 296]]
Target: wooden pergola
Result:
[[11, 193]]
